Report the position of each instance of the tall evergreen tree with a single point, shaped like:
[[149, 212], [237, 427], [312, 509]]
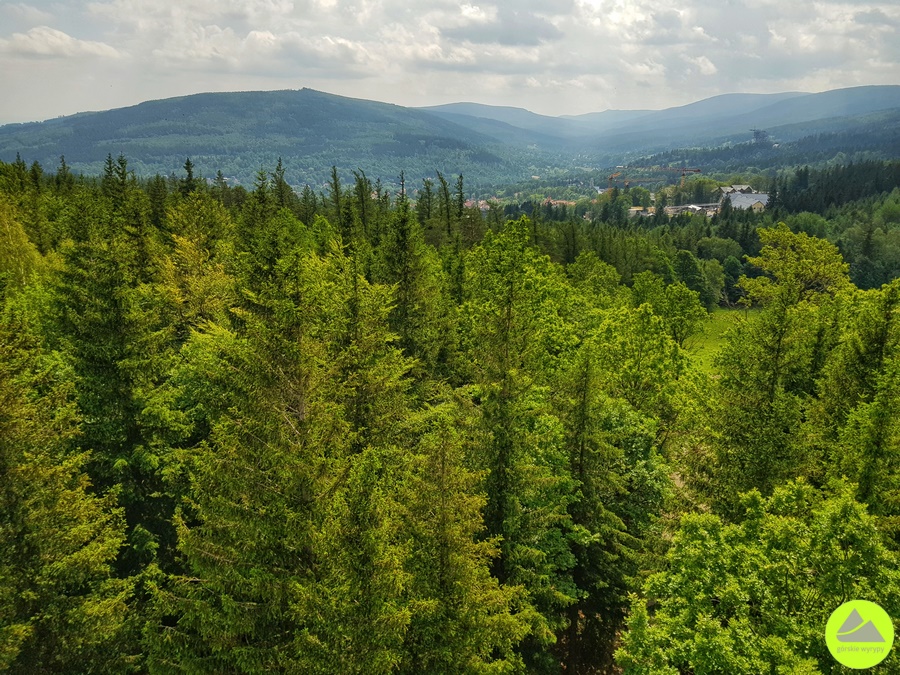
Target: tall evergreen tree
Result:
[[308, 206], [444, 206], [420, 314], [513, 332], [61, 609], [248, 532], [112, 336], [619, 484], [282, 192], [464, 620], [188, 184]]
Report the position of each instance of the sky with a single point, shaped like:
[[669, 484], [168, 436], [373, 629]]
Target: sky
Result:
[[553, 57]]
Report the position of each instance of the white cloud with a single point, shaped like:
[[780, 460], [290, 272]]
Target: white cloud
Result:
[[566, 56], [46, 42], [704, 65], [475, 14]]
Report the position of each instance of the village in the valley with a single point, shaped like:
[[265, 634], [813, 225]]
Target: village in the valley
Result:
[[742, 197]]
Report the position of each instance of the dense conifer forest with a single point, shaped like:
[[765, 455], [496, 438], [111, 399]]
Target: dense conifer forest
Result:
[[269, 431]]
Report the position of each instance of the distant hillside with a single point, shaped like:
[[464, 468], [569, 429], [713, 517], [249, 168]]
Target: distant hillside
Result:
[[608, 119], [240, 133], [804, 112], [544, 126], [619, 133], [709, 121], [717, 109], [814, 143], [505, 132]]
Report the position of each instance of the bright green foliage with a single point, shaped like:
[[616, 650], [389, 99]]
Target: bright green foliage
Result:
[[800, 302], [517, 299], [248, 532], [201, 219], [513, 332], [870, 446], [419, 316], [754, 597], [856, 416], [684, 313], [648, 288], [369, 378], [18, 256], [714, 273], [638, 359], [289, 535], [194, 288], [692, 274], [388, 442], [357, 612], [114, 334], [618, 489], [194, 284], [463, 619], [799, 268], [61, 610], [597, 279], [716, 248], [753, 422], [870, 339], [676, 304], [769, 368], [265, 233]]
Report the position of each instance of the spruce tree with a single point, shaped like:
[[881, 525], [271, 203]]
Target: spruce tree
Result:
[[514, 333], [61, 608], [463, 619]]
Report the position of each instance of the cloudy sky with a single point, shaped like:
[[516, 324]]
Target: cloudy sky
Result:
[[551, 56]]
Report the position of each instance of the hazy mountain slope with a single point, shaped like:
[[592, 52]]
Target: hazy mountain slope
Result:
[[826, 105], [239, 133], [503, 131], [869, 124], [608, 119], [716, 108], [731, 116], [517, 117], [699, 122], [864, 136]]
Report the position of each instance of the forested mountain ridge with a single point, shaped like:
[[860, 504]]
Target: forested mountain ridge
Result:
[[701, 123], [239, 133], [714, 120], [595, 124], [255, 431]]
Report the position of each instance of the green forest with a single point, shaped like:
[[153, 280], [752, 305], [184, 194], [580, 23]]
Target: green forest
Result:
[[370, 430]]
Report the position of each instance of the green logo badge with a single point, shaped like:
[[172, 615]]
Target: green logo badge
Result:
[[859, 634]]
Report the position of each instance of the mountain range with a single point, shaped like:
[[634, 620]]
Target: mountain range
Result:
[[242, 133]]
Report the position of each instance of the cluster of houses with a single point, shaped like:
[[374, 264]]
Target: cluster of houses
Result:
[[742, 197]]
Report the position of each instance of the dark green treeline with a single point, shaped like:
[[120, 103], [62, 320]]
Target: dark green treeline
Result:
[[257, 431]]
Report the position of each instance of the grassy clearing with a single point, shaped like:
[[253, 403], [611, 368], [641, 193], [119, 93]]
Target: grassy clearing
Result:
[[704, 346]]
